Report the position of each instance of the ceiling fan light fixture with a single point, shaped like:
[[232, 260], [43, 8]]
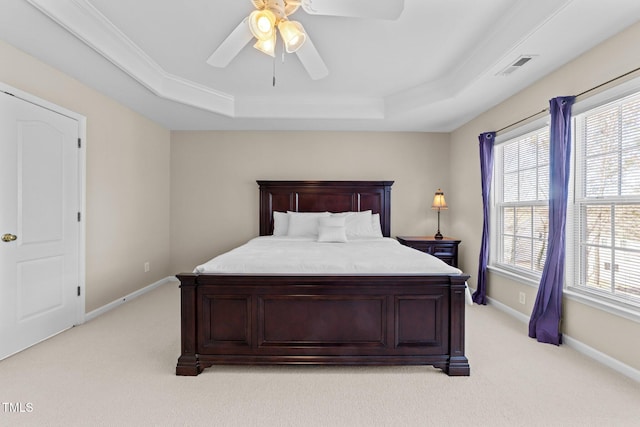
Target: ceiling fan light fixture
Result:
[[291, 6], [262, 24], [293, 35], [267, 46]]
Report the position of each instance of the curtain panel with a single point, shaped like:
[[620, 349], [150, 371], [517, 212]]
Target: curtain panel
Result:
[[544, 324], [486, 171]]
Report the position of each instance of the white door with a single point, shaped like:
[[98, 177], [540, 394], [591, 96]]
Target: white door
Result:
[[39, 228]]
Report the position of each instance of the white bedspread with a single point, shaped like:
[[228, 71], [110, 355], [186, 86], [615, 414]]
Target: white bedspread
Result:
[[288, 255]]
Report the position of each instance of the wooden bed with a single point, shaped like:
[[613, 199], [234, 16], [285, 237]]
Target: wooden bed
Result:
[[323, 319]]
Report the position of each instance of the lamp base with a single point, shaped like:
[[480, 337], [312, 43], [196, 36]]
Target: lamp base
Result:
[[438, 236]]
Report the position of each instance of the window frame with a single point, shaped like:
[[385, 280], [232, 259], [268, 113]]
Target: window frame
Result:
[[574, 257], [524, 275]]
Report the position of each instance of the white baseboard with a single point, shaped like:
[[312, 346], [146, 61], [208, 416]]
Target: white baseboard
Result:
[[97, 312], [510, 311], [579, 346], [605, 359]]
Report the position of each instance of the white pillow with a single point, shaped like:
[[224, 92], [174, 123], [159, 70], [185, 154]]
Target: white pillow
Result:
[[358, 224], [280, 223], [332, 221], [304, 224], [332, 234], [332, 229], [375, 225]]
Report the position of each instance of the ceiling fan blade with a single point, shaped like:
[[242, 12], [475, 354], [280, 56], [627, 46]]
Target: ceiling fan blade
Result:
[[387, 9], [231, 46], [311, 60]]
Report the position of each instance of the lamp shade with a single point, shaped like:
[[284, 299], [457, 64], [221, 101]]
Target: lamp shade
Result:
[[438, 201], [262, 24], [267, 46], [292, 34]]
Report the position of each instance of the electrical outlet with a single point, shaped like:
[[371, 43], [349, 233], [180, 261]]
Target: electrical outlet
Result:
[[522, 297], [147, 267]]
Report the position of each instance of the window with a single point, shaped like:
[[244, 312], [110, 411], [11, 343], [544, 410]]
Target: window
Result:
[[603, 212], [606, 212], [521, 183]]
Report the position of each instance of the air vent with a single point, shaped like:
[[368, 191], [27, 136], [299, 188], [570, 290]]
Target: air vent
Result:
[[516, 65]]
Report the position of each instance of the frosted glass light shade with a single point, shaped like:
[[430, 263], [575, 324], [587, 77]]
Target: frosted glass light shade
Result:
[[267, 46], [262, 24], [292, 34]]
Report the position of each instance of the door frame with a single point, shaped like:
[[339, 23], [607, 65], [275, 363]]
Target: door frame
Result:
[[82, 184]]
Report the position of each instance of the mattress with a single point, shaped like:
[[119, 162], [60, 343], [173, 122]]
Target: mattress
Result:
[[289, 255]]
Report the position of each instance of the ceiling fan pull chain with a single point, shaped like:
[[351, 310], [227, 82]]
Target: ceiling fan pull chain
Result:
[[274, 71]]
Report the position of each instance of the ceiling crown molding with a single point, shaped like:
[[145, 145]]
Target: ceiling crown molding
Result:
[[498, 44], [84, 21]]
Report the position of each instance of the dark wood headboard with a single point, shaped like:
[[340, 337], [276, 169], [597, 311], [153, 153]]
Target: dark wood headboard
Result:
[[320, 196]]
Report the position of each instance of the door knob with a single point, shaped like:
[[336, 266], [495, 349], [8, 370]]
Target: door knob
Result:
[[9, 237]]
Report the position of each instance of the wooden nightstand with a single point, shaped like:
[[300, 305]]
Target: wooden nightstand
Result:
[[446, 249]]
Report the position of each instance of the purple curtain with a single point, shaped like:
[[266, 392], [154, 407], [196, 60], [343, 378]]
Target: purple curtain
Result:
[[547, 310], [486, 171]]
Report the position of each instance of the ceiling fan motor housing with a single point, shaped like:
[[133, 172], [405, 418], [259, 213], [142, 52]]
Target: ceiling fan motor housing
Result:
[[280, 8]]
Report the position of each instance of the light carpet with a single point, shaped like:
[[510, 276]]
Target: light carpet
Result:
[[118, 370]]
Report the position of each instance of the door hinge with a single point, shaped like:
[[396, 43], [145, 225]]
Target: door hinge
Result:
[[78, 290], [79, 143], [79, 217]]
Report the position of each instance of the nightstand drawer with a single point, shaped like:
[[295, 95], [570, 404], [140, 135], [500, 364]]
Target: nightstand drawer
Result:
[[445, 249], [446, 258], [421, 246]]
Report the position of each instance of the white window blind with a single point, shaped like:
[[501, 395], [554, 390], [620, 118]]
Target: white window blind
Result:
[[521, 202], [607, 201]]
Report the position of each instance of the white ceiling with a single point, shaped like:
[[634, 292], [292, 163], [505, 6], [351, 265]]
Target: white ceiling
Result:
[[433, 69]]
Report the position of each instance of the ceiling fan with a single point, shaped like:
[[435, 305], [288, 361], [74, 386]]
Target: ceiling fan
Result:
[[272, 16]]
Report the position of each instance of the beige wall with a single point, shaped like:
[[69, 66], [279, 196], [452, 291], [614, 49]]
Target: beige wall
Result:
[[127, 180], [214, 195], [605, 332]]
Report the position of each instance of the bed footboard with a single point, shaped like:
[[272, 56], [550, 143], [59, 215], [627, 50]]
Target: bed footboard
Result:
[[322, 320]]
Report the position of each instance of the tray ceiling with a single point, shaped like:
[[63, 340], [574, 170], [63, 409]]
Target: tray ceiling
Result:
[[433, 69]]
